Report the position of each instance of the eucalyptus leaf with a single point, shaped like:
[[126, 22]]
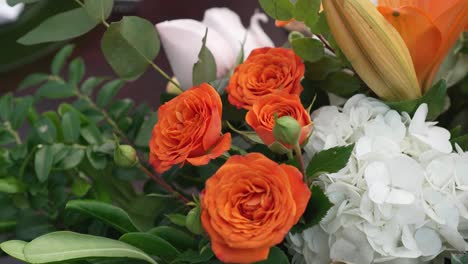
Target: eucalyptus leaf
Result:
[[278, 9], [105, 212], [329, 161], [63, 26], [308, 49], [130, 45], [204, 70], [100, 10], [307, 11], [65, 245]]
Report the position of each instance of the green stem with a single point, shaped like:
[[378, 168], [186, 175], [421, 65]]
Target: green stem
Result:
[[13, 133], [298, 151], [164, 74], [290, 155]]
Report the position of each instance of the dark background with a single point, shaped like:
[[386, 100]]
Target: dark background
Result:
[[149, 86]]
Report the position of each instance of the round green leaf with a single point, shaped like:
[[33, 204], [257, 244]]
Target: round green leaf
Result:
[[130, 45], [278, 9], [64, 245], [308, 49], [100, 10]]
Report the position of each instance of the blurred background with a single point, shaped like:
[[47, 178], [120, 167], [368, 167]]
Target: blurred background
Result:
[[17, 61]]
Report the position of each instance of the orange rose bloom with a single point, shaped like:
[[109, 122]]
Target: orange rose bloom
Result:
[[249, 205], [262, 115], [189, 129], [266, 71]]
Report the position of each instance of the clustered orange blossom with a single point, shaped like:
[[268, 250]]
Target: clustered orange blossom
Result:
[[251, 202]]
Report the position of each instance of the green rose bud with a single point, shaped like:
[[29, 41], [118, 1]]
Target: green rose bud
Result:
[[193, 221], [125, 156], [287, 130]]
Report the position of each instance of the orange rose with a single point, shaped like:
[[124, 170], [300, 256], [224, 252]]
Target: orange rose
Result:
[[249, 205], [265, 71], [189, 130], [262, 116]]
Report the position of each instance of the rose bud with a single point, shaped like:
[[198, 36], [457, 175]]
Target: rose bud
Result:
[[125, 156]]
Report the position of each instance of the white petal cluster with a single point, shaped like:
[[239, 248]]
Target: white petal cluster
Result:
[[403, 196]]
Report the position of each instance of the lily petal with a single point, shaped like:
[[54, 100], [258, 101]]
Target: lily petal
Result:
[[182, 41], [416, 27]]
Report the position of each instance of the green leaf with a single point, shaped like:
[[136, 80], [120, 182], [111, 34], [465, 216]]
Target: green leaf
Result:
[[65, 245], [341, 84], [43, 162], [71, 127], [76, 71], [108, 91], [14, 2], [177, 219], [11, 185], [14, 248], [174, 236], [60, 58], [55, 90], [80, 187], [317, 208], [462, 141], [100, 10], [278, 9], [204, 70], [130, 45], [97, 160], [192, 256], [91, 134], [72, 160], [459, 259], [151, 244], [20, 111], [33, 80], [144, 135], [119, 108], [307, 11], [329, 161], [60, 27], [6, 106], [89, 84], [276, 256], [31, 224], [308, 49], [319, 70], [107, 213], [193, 221], [434, 98], [46, 130]]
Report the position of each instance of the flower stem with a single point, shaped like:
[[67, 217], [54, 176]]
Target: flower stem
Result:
[[298, 151], [325, 42], [162, 183]]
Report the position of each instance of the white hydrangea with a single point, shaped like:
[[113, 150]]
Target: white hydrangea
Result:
[[403, 196]]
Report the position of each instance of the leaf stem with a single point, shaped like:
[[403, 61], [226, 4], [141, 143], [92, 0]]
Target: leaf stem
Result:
[[325, 42], [164, 74]]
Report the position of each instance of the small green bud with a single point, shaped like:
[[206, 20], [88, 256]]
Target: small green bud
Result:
[[125, 156], [193, 221], [287, 130]]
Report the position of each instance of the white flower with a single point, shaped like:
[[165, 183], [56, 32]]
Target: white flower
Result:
[[403, 196], [182, 41], [8, 13]]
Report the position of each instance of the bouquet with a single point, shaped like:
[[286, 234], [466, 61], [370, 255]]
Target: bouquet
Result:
[[348, 144]]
